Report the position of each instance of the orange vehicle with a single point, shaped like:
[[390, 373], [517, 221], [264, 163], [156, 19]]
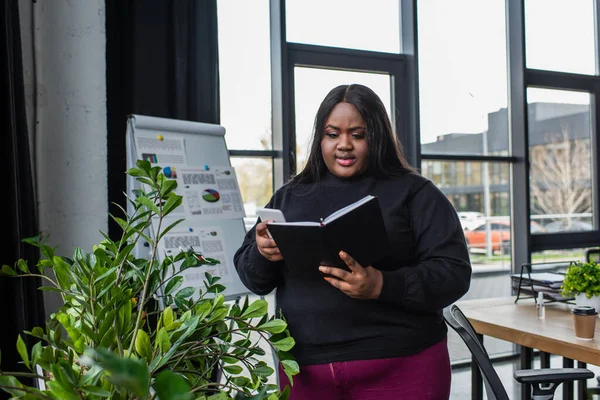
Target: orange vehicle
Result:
[[476, 237], [500, 232]]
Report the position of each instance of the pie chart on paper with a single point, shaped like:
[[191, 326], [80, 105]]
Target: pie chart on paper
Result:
[[211, 195]]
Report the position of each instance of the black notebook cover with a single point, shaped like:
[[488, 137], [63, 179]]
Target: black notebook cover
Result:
[[360, 232]]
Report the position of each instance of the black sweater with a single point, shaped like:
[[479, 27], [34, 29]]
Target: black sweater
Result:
[[428, 270]]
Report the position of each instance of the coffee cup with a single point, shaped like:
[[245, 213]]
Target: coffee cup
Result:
[[584, 320]]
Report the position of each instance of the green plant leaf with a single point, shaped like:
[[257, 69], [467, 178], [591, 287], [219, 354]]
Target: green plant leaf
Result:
[[122, 223], [203, 309], [124, 316], [96, 390], [233, 369], [142, 345], [10, 381], [22, 349], [108, 340], [241, 381], [173, 202], [107, 322], [8, 270], [144, 165], [263, 371], [171, 226], [173, 284], [188, 327], [149, 204], [285, 393], [130, 374], [167, 318], [185, 292], [36, 353], [218, 288], [235, 311], [274, 326], [218, 301], [256, 309], [37, 332], [162, 340], [22, 265], [229, 360], [172, 386], [135, 172], [168, 186], [61, 392], [290, 366], [284, 344], [218, 315]]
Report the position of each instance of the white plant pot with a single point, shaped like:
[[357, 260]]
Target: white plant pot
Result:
[[582, 300]]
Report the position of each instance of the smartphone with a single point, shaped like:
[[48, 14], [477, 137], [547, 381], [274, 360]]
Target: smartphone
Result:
[[270, 214]]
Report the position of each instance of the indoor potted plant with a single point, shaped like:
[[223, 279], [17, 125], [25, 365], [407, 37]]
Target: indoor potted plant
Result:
[[128, 330], [582, 280]]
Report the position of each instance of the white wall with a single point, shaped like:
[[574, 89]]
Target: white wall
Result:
[[71, 121], [69, 134]]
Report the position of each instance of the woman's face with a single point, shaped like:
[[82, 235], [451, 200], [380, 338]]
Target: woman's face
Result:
[[344, 144]]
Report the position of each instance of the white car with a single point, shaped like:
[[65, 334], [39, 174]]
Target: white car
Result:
[[470, 219]]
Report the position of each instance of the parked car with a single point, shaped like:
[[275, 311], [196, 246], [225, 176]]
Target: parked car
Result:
[[500, 231], [576, 226]]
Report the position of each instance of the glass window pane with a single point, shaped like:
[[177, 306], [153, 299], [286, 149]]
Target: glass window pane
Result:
[[255, 177], [362, 25], [560, 180], [462, 77], [312, 85], [245, 87], [551, 256], [482, 201], [559, 35], [480, 194]]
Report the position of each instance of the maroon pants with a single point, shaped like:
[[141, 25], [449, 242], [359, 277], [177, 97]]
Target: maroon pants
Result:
[[422, 376]]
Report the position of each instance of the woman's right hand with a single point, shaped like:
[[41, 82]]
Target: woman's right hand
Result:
[[266, 246]]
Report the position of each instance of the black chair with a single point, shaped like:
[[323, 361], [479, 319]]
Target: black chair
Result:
[[592, 255], [544, 381]]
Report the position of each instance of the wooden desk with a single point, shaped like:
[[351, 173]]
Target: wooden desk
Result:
[[518, 323]]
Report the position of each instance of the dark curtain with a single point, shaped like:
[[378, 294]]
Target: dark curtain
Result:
[[161, 60], [21, 301]]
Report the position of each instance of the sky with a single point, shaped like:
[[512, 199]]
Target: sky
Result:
[[462, 58]]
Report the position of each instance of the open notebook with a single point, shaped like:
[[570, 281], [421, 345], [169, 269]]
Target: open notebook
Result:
[[358, 229]]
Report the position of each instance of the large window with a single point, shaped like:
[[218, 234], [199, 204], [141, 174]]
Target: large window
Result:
[[480, 194], [501, 110], [245, 96], [562, 110], [364, 25], [464, 135], [462, 77], [560, 35], [560, 160]]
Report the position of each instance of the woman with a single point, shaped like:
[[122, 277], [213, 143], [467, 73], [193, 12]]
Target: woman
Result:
[[373, 331]]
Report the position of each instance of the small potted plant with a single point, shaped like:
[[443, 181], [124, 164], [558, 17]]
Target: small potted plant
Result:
[[582, 280], [128, 330]]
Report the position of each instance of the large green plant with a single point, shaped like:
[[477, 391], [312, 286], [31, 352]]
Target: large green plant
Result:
[[582, 278], [127, 328]]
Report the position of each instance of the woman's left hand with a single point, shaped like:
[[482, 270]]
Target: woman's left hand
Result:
[[361, 283]]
